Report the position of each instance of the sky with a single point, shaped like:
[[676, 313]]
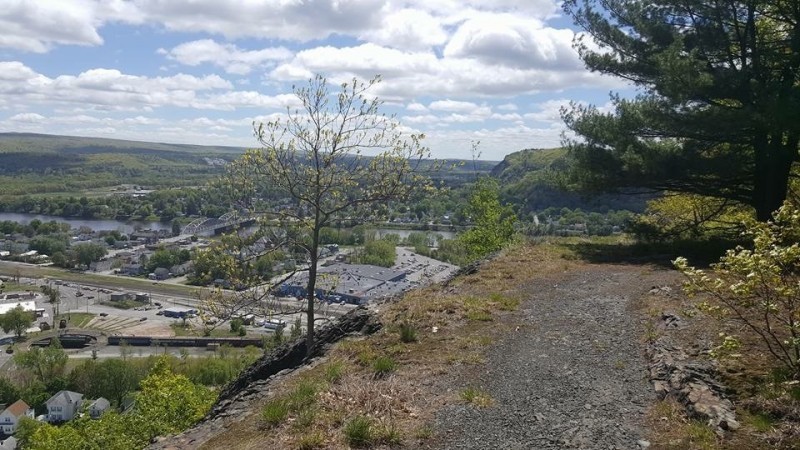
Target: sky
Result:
[[202, 71]]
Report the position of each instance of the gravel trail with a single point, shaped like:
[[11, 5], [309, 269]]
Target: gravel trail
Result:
[[573, 375]]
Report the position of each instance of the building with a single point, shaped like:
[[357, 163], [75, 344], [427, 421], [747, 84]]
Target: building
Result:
[[350, 283], [63, 406], [9, 418], [98, 407]]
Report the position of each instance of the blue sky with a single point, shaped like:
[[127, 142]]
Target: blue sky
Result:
[[200, 72]]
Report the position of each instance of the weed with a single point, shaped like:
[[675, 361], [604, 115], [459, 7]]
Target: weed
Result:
[[407, 333], [305, 418], [311, 441], [387, 434], [759, 421], [383, 366], [303, 395], [650, 332], [700, 435], [424, 432], [479, 316], [504, 303], [334, 372], [476, 397], [362, 351], [358, 431], [275, 412]]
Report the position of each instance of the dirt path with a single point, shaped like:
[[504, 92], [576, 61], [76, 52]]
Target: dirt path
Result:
[[573, 375]]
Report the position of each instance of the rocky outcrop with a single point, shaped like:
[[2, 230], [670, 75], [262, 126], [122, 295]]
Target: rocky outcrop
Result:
[[693, 382], [255, 382]]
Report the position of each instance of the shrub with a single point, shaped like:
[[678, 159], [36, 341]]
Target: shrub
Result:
[[358, 431], [759, 288]]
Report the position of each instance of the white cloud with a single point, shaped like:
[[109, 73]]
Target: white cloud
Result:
[[27, 118], [514, 42], [227, 56], [110, 89], [416, 107], [275, 19], [452, 106], [408, 29]]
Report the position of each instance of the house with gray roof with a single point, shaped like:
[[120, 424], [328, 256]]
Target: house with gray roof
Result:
[[98, 407], [63, 406]]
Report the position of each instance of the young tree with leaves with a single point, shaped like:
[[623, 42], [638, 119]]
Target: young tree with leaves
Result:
[[334, 155], [493, 222], [718, 113]]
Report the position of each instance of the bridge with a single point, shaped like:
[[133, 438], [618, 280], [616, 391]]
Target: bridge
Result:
[[228, 221]]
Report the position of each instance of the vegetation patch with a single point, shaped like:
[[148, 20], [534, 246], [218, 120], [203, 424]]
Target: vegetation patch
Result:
[[476, 397]]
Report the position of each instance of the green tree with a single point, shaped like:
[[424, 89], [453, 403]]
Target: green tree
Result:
[[493, 222], [8, 391], [379, 253], [88, 253], [46, 363], [718, 112], [170, 403], [758, 287], [317, 156], [17, 320]]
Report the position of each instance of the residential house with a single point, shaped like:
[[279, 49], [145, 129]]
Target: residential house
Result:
[[98, 407], [9, 418], [131, 269], [63, 406], [161, 273]]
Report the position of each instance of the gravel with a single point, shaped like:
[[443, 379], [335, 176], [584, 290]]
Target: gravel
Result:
[[573, 375]]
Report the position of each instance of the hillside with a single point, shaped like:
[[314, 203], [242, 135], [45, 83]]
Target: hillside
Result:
[[533, 180], [511, 356], [50, 164]]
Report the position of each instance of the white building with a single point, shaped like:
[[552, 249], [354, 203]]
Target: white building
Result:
[[9, 418], [63, 406]]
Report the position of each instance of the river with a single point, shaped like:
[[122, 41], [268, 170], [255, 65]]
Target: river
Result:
[[127, 227], [94, 224]]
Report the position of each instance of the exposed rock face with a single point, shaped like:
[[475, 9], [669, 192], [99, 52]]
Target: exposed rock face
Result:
[[253, 383], [691, 382]]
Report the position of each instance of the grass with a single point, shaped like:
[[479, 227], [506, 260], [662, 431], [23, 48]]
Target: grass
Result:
[[358, 431], [123, 304], [311, 441], [408, 333], [189, 330], [76, 320], [92, 279], [476, 397], [383, 366], [334, 371], [275, 412]]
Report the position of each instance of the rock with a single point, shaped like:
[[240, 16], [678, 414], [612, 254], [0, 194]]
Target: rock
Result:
[[642, 443]]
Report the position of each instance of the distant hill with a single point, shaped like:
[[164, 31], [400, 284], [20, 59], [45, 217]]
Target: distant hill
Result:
[[529, 178], [49, 143], [46, 164]]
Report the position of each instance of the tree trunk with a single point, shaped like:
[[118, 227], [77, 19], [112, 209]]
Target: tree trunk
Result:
[[773, 164], [312, 284]]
